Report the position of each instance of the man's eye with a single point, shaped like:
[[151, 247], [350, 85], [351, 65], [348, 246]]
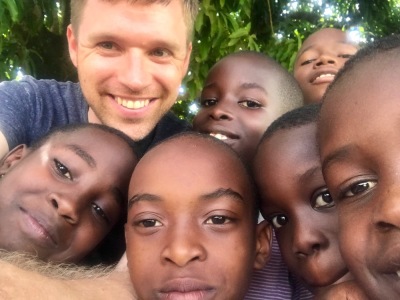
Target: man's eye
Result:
[[306, 62], [160, 52], [218, 220], [62, 170], [322, 200], [106, 45], [359, 187], [345, 55], [208, 102], [100, 212], [250, 104], [278, 221], [149, 223]]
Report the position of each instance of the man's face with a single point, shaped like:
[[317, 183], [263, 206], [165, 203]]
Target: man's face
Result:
[[191, 230], [319, 59], [131, 59], [360, 151], [59, 201], [238, 102], [295, 200]]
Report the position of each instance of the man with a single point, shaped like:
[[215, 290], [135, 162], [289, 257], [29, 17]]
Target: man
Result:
[[131, 57]]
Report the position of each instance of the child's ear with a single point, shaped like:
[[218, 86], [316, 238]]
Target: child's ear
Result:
[[263, 248], [12, 157]]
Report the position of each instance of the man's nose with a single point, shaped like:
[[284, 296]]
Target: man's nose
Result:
[[135, 70]]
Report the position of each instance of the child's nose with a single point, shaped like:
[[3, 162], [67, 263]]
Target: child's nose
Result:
[[183, 247], [66, 207], [325, 59], [307, 239], [386, 211], [221, 113]]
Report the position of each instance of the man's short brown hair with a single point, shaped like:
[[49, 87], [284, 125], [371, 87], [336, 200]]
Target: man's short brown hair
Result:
[[190, 10]]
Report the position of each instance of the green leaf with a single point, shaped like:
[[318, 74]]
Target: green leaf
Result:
[[13, 9]]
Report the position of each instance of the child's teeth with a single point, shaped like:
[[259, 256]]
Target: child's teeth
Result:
[[219, 136]]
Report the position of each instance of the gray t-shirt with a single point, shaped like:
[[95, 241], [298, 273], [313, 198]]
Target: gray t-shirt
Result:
[[30, 108]]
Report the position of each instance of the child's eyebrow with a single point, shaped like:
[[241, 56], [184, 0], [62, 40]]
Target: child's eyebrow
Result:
[[305, 177], [83, 154], [253, 85], [142, 197], [337, 155], [221, 192]]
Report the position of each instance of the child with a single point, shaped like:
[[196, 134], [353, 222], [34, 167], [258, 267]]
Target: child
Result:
[[319, 59], [360, 152], [243, 93], [60, 197], [193, 234], [296, 201]]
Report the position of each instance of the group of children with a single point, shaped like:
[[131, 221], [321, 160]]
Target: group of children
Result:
[[323, 177]]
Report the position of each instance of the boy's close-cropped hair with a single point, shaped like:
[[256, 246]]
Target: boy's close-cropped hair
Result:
[[295, 118]]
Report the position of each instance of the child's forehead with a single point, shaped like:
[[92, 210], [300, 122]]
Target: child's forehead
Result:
[[239, 64], [326, 35]]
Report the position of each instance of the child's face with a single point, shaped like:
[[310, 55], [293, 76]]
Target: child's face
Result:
[[360, 151], [319, 59], [60, 200], [297, 203], [238, 102], [191, 230]]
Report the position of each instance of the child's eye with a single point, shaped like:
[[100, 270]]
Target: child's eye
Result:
[[218, 220], [100, 212], [149, 223], [62, 170], [359, 188], [322, 200], [277, 221], [306, 62], [250, 104], [345, 55], [208, 102]]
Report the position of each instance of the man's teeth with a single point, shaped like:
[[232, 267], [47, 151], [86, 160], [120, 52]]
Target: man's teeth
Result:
[[219, 136], [132, 104]]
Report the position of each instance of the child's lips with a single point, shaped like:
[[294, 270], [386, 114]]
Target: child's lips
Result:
[[186, 289], [39, 229]]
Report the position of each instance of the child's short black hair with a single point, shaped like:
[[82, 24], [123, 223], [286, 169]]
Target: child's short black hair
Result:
[[298, 117], [290, 95], [381, 46]]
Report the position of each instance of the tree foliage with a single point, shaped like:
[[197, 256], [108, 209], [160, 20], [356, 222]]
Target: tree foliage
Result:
[[32, 33]]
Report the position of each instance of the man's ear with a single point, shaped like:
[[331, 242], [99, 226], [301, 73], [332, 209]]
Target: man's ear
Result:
[[263, 247], [12, 157], [72, 45]]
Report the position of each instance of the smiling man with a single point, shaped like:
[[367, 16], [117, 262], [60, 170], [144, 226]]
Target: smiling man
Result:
[[131, 57]]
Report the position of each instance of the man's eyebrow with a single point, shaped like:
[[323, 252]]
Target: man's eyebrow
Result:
[[142, 197], [83, 154], [337, 155], [221, 192]]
